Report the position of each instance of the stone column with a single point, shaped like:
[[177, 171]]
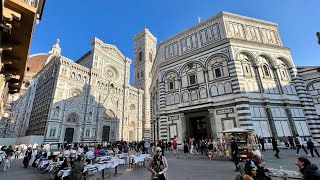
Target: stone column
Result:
[[162, 98], [278, 83], [258, 78], [213, 128], [206, 75], [271, 122], [183, 134], [291, 121]]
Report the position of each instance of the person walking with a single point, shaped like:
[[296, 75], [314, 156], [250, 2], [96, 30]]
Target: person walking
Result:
[[308, 170], [275, 147], [27, 157], [186, 149], [158, 166], [262, 141], [234, 152], [300, 145], [291, 142], [192, 144], [17, 153], [175, 148], [311, 147], [286, 142]]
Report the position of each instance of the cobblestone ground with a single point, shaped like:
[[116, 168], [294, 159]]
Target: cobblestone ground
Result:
[[196, 167]]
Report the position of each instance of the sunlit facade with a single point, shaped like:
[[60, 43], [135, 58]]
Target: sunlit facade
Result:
[[228, 71]]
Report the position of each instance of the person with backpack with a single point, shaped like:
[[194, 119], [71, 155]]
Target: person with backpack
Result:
[[311, 147], [158, 166], [299, 145]]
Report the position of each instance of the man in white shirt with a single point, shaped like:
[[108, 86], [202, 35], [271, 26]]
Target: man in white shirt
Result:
[[80, 150], [67, 153], [299, 144]]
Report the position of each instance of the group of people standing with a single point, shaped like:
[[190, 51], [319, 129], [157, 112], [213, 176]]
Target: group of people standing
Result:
[[290, 142]]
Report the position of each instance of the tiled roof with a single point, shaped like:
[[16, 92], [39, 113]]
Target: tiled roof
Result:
[[36, 62]]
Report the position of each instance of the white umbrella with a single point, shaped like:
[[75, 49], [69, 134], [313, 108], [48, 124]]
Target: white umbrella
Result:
[[235, 130]]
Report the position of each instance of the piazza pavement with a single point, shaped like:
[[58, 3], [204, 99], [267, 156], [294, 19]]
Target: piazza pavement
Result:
[[196, 167]]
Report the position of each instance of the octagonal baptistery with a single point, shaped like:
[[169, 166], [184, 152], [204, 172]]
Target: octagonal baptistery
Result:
[[224, 72]]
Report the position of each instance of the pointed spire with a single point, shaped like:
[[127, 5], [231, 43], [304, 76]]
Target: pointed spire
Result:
[[56, 48]]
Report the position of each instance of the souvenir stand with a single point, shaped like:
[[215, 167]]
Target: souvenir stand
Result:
[[244, 138]]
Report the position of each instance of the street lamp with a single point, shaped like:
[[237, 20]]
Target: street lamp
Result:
[[318, 35]]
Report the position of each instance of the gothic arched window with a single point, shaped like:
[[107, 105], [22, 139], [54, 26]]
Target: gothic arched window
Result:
[[265, 69]]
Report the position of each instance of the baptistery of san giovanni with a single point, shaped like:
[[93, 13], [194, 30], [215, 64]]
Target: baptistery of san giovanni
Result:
[[228, 71]]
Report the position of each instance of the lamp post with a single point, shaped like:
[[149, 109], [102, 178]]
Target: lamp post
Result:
[[318, 35]]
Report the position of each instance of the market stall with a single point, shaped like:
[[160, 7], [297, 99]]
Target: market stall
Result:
[[245, 140]]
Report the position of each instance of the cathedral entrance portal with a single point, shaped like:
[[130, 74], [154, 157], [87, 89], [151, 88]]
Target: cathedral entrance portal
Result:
[[105, 133], [198, 127], [68, 135]]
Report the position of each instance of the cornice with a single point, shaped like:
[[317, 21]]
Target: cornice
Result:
[[241, 42], [193, 28], [248, 19]]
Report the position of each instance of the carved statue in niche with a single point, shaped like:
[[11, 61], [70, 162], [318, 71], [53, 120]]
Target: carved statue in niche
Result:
[[54, 132], [81, 132], [51, 130], [90, 117], [56, 112], [93, 132]]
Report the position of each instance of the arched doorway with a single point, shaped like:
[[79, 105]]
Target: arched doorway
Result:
[[108, 127], [68, 135], [71, 125], [105, 133]]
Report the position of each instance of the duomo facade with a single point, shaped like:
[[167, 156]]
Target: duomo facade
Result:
[[89, 100]]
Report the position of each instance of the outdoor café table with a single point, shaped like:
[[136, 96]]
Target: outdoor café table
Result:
[[102, 158], [138, 158], [113, 163], [52, 165], [43, 163], [122, 155], [285, 174], [66, 172]]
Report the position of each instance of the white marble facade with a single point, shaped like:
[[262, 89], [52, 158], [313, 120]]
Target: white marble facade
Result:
[[228, 71], [92, 100]]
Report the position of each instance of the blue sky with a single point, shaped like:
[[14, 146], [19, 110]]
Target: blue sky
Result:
[[75, 23]]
